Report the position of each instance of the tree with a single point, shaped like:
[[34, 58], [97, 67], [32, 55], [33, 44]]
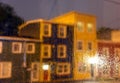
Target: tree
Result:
[[104, 33], [9, 21]]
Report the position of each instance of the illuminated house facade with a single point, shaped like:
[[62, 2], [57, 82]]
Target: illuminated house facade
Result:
[[109, 55], [85, 44], [56, 48]]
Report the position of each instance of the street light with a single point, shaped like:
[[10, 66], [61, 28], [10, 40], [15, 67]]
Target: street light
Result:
[[92, 61], [45, 67]]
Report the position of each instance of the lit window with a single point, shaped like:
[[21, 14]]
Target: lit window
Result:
[[46, 51], [62, 31], [80, 26], [35, 71], [89, 45], [61, 51], [47, 29], [63, 68], [1, 47], [30, 48], [90, 27], [5, 69], [16, 47], [79, 45]]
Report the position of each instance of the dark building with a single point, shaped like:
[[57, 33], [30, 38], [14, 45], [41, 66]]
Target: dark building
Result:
[[18, 59], [56, 48]]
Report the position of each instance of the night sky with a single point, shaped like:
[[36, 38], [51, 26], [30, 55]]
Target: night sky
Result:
[[106, 11]]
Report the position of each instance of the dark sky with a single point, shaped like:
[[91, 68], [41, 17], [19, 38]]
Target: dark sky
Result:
[[106, 11]]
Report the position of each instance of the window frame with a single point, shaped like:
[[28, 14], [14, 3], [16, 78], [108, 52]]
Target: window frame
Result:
[[81, 47], [80, 26], [64, 47], [105, 52], [1, 47], [48, 29], [90, 27], [49, 51], [2, 69], [19, 48], [64, 32], [33, 48], [35, 71], [62, 67], [118, 52], [91, 47]]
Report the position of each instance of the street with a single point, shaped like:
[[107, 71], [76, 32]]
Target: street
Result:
[[102, 81]]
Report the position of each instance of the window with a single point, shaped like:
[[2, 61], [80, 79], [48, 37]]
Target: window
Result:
[[1, 47], [35, 71], [5, 69], [79, 45], [89, 45], [117, 55], [30, 48], [90, 27], [46, 51], [16, 47], [63, 68], [47, 29], [80, 26], [62, 31], [105, 52], [105, 71], [117, 69], [82, 67], [117, 52], [62, 51]]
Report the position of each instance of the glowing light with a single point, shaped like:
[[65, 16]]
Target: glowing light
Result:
[[45, 67], [93, 60]]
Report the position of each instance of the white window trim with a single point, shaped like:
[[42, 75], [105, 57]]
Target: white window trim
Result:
[[63, 72], [65, 31], [36, 71], [49, 30], [20, 47], [9, 69], [33, 48], [1, 47], [49, 50], [65, 51]]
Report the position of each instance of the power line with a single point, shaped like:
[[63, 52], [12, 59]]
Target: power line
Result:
[[114, 2]]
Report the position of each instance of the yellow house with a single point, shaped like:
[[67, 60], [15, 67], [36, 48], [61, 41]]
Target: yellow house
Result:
[[85, 44]]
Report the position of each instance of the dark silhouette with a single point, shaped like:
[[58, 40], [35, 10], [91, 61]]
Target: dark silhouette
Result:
[[104, 33], [9, 21]]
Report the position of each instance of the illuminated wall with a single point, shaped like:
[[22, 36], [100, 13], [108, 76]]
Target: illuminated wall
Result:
[[84, 40]]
